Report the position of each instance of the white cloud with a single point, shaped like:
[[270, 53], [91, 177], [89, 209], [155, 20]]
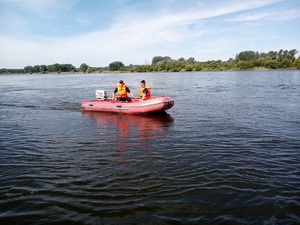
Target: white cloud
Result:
[[280, 15], [290, 14], [83, 22]]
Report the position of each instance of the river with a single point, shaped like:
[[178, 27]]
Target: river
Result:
[[228, 152]]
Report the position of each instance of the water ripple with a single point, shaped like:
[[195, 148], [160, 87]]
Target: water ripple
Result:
[[230, 155]]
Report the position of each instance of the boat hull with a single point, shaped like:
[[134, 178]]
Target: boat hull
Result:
[[136, 106]]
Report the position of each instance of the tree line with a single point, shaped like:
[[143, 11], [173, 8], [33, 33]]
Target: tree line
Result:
[[246, 60]]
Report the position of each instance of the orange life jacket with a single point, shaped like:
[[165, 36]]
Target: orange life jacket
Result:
[[122, 93], [148, 95]]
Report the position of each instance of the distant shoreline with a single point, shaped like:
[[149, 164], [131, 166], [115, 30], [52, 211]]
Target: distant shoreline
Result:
[[244, 61], [119, 72]]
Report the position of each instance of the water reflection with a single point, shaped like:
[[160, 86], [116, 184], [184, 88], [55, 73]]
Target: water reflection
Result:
[[125, 127], [134, 138]]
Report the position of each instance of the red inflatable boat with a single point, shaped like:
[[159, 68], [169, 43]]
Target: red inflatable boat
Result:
[[135, 106]]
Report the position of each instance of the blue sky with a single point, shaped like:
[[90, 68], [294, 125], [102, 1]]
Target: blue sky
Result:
[[36, 32]]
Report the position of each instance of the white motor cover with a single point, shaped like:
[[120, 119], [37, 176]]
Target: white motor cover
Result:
[[101, 94]]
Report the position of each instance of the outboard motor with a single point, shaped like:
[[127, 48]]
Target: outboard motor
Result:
[[101, 95]]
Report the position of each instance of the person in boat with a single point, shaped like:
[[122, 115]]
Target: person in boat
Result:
[[122, 91], [145, 91]]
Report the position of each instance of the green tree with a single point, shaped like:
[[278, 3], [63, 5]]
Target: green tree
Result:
[[161, 66], [297, 63], [286, 63], [91, 69], [63, 68], [188, 67], [261, 61], [255, 63], [272, 64], [67, 68], [43, 68], [36, 68], [157, 59], [191, 60], [243, 65], [28, 69], [11, 71], [114, 66], [280, 55], [54, 68], [197, 67], [272, 55], [83, 67], [291, 54], [213, 65], [247, 56]]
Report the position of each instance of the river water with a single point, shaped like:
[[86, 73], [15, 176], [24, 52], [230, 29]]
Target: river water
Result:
[[228, 152]]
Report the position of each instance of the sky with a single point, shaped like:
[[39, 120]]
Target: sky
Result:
[[45, 32]]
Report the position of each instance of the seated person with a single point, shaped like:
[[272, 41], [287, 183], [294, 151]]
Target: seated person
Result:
[[145, 91], [122, 91]]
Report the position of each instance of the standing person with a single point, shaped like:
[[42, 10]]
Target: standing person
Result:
[[145, 91], [122, 91]]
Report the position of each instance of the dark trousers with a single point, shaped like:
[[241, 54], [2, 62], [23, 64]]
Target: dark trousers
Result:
[[124, 99]]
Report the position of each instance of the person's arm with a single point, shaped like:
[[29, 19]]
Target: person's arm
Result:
[[128, 90], [145, 91], [113, 95]]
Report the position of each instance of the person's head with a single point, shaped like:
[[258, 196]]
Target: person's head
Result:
[[143, 83], [121, 82]]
